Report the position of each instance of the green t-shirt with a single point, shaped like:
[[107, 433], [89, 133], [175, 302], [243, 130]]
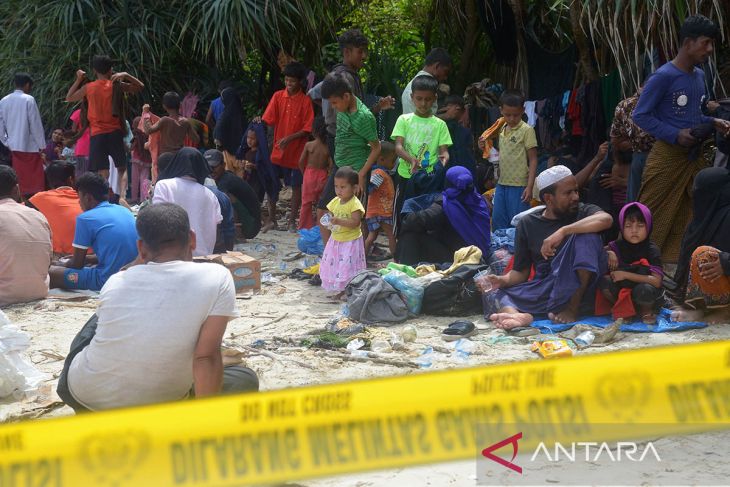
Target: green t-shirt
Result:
[[420, 135], [354, 131], [514, 143]]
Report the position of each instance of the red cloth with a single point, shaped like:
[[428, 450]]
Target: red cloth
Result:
[[574, 113], [512, 263], [153, 139], [312, 186], [624, 306], [29, 168], [289, 115]]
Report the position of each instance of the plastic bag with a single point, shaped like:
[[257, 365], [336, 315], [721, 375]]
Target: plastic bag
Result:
[[411, 289], [310, 241], [17, 375]]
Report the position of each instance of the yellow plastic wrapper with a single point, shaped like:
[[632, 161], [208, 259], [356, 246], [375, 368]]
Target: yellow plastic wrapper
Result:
[[552, 348]]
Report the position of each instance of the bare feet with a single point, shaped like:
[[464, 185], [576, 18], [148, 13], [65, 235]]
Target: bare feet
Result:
[[292, 228], [507, 321], [682, 314], [719, 316], [568, 315], [269, 226]]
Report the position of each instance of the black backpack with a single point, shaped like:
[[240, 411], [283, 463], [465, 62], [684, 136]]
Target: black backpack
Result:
[[455, 294]]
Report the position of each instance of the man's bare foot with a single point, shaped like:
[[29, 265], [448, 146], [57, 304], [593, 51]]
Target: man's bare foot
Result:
[[682, 314], [507, 321], [719, 316], [568, 315]]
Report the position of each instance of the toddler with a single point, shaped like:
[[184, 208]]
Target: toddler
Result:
[[380, 200], [315, 163], [344, 255], [634, 285]]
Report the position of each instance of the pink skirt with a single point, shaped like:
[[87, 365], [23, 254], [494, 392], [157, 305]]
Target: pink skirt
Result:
[[340, 262]]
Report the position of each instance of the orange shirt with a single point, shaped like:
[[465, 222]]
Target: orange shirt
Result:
[[380, 201], [60, 207], [288, 115], [99, 96]]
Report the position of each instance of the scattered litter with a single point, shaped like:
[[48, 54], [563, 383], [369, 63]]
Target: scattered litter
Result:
[[18, 377], [409, 334], [267, 278], [356, 344], [552, 348], [425, 360], [585, 339], [345, 327]]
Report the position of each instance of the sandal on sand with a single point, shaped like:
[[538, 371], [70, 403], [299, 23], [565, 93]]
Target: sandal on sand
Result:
[[457, 330]]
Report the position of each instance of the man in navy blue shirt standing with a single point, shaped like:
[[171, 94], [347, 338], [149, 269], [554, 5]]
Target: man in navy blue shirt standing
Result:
[[670, 109]]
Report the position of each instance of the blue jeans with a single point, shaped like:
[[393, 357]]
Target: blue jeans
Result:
[[507, 203], [638, 161]]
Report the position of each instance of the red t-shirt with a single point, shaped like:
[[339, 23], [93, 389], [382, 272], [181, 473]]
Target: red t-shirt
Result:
[[99, 96], [288, 115], [380, 201]]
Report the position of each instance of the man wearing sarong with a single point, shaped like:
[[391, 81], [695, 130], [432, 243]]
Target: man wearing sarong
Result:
[[561, 242], [670, 110]]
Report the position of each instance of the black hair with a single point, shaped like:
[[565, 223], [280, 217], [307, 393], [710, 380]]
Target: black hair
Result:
[[102, 64], [319, 129], [295, 70], [425, 83], [171, 100], [352, 38], [335, 84], [164, 160], [348, 174], [454, 100], [226, 83], [697, 26], [387, 148], [438, 55], [68, 134], [57, 174], [548, 190], [8, 180], [22, 79], [634, 213], [512, 98], [93, 184], [163, 225]]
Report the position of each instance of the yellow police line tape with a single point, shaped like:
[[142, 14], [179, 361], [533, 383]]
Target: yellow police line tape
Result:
[[363, 425]]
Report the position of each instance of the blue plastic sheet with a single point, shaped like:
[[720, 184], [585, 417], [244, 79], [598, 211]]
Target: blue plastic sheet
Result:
[[310, 241], [664, 323], [504, 238]]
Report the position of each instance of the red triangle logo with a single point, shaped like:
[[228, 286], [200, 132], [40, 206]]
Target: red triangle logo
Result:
[[487, 452]]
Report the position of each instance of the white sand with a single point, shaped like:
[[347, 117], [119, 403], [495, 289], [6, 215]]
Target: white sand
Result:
[[53, 324]]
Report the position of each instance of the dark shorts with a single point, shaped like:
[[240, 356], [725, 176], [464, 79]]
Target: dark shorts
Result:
[[103, 146], [329, 192], [291, 177]]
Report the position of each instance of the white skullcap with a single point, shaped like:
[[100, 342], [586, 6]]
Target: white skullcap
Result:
[[551, 176]]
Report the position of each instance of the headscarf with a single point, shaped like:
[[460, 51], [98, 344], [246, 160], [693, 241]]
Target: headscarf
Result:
[[710, 223], [229, 127], [265, 172], [629, 253], [187, 162], [466, 210]]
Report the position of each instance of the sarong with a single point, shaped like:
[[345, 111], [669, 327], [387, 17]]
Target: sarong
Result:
[[29, 168], [557, 281], [666, 188], [702, 293]]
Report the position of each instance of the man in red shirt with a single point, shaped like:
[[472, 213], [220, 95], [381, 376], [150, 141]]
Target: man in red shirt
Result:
[[290, 113], [106, 126]]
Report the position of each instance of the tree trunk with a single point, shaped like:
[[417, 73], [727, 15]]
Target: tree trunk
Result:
[[428, 27], [585, 59], [470, 44]]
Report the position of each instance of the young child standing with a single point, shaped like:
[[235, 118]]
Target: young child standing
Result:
[[380, 199], [315, 163], [517, 161], [461, 152], [290, 113], [356, 142], [141, 163], [634, 285], [173, 127], [344, 254], [421, 140], [258, 171]]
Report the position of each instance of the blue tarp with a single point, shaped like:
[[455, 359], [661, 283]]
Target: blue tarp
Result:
[[664, 323]]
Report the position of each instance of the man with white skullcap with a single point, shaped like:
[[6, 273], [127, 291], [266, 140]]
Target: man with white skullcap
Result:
[[563, 245]]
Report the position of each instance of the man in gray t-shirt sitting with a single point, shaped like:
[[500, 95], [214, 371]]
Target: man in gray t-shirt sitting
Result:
[[158, 328]]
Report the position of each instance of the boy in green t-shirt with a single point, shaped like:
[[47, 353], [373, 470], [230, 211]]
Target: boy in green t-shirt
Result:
[[356, 141], [422, 140]]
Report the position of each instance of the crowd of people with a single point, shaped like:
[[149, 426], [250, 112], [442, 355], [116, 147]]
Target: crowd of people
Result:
[[650, 198]]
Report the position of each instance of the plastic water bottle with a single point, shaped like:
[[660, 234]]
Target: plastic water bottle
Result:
[[426, 160], [462, 349], [585, 339], [425, 360], [355, 344]]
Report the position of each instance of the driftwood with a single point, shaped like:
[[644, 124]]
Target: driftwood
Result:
[[273, 356], [370, 358]]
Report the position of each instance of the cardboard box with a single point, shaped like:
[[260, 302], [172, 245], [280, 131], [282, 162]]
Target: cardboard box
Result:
[[246, 270]]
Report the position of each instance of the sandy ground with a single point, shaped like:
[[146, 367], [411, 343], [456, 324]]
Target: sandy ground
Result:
[[291, 308]]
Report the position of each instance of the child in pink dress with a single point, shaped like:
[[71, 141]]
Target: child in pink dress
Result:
[[344, 255]]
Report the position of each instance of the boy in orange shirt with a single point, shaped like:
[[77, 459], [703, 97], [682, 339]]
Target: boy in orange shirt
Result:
[[380, 199], [60, 206], [290, 113]]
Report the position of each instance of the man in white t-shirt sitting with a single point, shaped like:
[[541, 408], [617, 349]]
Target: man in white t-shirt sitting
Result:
[[158, 327]]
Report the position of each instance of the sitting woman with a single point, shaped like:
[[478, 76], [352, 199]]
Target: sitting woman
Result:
[[703, 270], [181, 181], [456, 218]]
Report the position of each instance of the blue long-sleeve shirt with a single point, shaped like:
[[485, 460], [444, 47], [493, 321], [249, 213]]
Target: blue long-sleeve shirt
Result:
[[671, 101]]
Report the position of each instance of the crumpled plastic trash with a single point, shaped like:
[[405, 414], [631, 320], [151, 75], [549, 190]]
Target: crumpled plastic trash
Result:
[[17, 375]]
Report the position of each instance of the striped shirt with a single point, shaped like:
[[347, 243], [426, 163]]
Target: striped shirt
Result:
[[354, 131]]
